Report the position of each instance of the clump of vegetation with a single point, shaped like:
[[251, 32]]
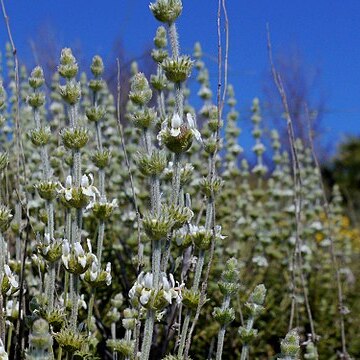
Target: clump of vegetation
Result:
[[139, 233]]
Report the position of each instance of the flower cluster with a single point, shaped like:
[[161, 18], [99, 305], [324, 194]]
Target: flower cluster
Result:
[[147, 295]]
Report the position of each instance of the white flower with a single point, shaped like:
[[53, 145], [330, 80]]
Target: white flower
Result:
[[65, 253], [176, 122], [80, 254], [13, 282], [145, 296], [258, 148], [260, 261], [88, 188], [316, 225], [82, 302], [3, 353], [147, 280], [143, 288], [193, 128], [9, 307], [68, 188], [108, 274], [86, 185]]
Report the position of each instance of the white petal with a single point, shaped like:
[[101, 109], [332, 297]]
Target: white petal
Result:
[[89, 246], [145, 296], [85, 181], [68, 194], [176, 121], [79, 251], [190, 120], [68, 182], [65, 260], [47, 238], [167, 296], [66, 248], [172, 281], [7, 270], [82, 261], [148, 280], [175, 132]]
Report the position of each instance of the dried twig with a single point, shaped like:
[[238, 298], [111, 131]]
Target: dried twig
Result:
[[327, 211], [19, 153], [19, 145], [298, 184], [120, 127], [226, 59], [220, 102]]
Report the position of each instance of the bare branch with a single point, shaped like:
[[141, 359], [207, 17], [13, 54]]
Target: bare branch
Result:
[[221, 4], [335, 264], [298, 184], [226, 59], [120, 127]]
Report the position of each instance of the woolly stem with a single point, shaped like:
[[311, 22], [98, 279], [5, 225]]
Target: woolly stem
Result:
[[174, 40], [184, 332], [91, 306], [148, 334], [221, 334], [74, 303], [220, 343]]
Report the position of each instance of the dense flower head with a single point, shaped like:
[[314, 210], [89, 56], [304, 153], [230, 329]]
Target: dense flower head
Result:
[[75, 259], [79, 197], [166, 11], [178, 135], [144, 292]]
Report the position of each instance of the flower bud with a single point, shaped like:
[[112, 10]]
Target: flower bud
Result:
[[40, 137], [40, 339], [68, 67], [224, 316], [156, 228], [71, 92], [5, 218], [160, 39], [166, 11], [103, 211], [96, 85], [151, 165], [140, 92], [247, 335], [36, 100], [191, 298], [101, 158], [177, 70], [97, 66], [74, 138], [158, 82], [122, 346], [211, 187], [143, 118], [69, 340], [290, 346], [159, 55], [36, 78], [95, 113], [47, 190]]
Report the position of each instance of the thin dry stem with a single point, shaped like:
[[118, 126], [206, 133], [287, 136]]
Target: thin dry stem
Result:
[[221, 4], [335, 264], [297, 179], [120, 127]]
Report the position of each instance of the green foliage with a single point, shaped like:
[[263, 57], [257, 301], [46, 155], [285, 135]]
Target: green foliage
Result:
[[126, 253]]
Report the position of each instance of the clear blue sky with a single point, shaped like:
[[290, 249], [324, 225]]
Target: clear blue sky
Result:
[[326, 31]]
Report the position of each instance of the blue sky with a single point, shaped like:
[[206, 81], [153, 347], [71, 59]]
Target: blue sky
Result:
[[327, 32]]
